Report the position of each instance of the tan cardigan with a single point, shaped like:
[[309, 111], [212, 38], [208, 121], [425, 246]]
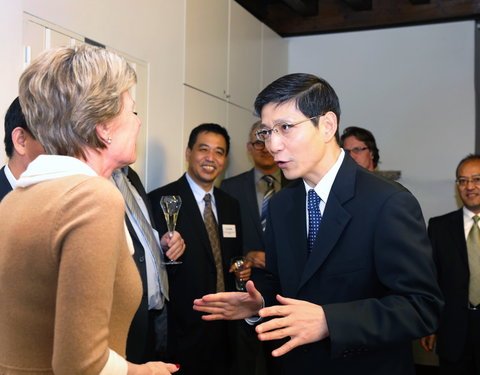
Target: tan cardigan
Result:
[[68, 285]]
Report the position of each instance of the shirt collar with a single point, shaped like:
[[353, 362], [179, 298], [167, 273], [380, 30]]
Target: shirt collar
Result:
[[277, 175], [468, 215], [325, 184], [198, 192]]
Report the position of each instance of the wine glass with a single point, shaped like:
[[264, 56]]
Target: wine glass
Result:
[[171, 206]]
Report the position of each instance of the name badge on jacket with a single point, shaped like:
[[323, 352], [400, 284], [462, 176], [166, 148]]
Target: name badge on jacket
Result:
[[229, 231]]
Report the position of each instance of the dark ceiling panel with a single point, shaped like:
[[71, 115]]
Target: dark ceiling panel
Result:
[[306, 17]]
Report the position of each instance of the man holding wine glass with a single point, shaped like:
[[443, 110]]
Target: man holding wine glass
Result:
[[147, 336], [209, 222]]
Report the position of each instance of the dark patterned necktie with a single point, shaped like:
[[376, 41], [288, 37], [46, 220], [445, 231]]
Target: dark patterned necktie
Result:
[[213, 236], [473, 249], [314, 218], [144, 226], [266, 197]]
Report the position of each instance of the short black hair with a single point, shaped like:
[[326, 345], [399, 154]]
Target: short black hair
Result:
[[14, 118], [208, 128], [365, 136], [313, 96], [465, 159]]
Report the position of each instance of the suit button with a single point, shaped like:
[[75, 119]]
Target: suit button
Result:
[[141, 259]]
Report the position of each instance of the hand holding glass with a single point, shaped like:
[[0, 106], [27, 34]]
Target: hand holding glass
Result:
[[238, 265], [171, 206]]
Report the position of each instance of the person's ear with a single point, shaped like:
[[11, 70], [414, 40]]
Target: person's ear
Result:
[[19, 138], [103, 133], [330, 125], [188, 152]]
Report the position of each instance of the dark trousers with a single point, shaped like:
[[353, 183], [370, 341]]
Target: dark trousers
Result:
[[469, 362], [157, 335]]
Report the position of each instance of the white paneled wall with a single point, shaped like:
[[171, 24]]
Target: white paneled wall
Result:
[[214, 46], [413, 87]]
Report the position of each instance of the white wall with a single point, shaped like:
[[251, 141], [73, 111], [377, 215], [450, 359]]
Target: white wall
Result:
[[413, 87], [149, 30]]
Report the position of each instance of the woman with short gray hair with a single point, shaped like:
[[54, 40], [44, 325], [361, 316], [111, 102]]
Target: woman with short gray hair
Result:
[[70, 287]]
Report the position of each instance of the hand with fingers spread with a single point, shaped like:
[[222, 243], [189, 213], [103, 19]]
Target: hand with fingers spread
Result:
[[302, 321], [230, 305], [173, 245]]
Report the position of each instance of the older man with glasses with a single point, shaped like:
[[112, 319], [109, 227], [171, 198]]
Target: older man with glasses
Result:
[[455, 240]]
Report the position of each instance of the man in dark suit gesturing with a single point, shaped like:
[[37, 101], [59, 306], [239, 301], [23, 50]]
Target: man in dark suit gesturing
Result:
[[209, 222], [349, 250], [21, 148], [456, 248]]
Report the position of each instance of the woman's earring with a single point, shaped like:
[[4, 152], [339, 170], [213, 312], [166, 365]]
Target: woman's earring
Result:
[[109, 140]]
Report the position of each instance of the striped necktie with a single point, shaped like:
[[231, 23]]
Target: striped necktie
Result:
[[144, 226], [213, 236], [266, 197], [314, 218], [473, 249]]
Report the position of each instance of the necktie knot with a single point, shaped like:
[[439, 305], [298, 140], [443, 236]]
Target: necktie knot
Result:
[[268, 179], [207, 198], [313, 199], [475, 219]]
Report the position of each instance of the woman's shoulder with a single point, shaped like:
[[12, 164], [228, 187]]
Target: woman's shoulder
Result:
[[90, 188]]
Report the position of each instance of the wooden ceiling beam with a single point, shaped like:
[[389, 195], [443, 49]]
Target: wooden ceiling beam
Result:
[[338, 16], [359, 4], [417, 2], [305, 8]]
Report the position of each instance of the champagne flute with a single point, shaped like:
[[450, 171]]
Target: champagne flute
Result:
[[171, 206]]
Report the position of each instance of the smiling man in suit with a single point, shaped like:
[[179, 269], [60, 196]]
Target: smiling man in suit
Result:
[[455, 240], [352, 280], [209, 222], [20, 146]]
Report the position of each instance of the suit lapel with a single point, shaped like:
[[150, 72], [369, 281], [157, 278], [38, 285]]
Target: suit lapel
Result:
[[334, 220], [137, 184], [5, 186], [251, 196], [289, 224], [457, 231]]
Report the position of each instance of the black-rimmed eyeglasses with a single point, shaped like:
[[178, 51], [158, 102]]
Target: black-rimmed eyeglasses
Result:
[[356, 150], [258, 145]]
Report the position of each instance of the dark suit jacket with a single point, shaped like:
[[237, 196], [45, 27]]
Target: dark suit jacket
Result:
[[242, 187], [5, 186], [450, 253], [137, 351], [197, 345], [371, 269]]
